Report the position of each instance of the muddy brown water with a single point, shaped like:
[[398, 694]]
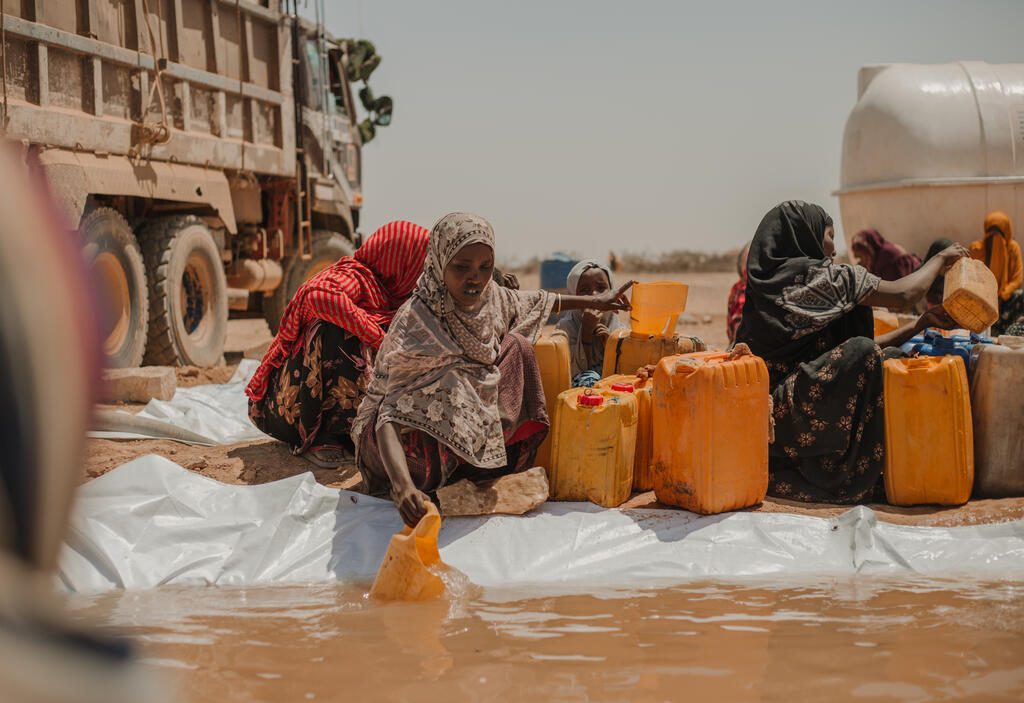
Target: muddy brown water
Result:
[[855, 639]]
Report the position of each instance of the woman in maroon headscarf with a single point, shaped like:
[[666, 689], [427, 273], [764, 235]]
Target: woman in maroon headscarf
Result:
[[888, 261]]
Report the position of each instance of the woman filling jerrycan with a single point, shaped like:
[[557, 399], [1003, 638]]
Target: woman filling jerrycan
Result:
[[411, 567]]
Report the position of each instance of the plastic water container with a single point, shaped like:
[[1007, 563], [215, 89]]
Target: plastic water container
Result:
[[410, 566], [711, 432], [934, 343], [997, 409], [555, 270], [553, 359], [594, 446], [643, 470], [885, 322], [971, 295], [656, 307], [625, 352], [929, 444]]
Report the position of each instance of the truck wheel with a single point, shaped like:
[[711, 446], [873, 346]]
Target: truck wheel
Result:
[[188, 293], [113, 254], [328, 247]]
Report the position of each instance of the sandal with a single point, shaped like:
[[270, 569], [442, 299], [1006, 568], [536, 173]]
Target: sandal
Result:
[[327, 456]]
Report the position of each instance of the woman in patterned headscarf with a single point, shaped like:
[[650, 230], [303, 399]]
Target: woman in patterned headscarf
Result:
[[1002, 256], [456, 388], [312, 378], [810, 320]]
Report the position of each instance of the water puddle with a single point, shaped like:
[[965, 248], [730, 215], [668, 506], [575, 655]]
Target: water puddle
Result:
[[835, 640]]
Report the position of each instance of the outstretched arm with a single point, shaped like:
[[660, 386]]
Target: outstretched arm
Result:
[[410, 501], [613, 300], [905, 292]]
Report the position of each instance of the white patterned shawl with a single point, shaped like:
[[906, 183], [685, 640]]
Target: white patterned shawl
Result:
[[435, 370]]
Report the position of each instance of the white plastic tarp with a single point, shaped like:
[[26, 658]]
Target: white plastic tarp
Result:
[[219, 412], [151, 522]]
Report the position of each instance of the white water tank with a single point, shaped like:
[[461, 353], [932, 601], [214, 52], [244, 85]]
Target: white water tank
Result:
[[928, 150]]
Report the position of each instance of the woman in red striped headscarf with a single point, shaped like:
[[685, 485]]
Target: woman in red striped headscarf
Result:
[[313, 377]]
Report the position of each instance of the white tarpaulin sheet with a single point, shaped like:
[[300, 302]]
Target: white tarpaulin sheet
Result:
[[219, 412], [151, 522]]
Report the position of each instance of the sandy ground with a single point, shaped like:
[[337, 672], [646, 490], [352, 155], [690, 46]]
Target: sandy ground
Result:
[[268, 460]]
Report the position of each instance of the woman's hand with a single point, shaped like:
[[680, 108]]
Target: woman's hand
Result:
[[602, 332], [950, 255], [613, 300], [591, 319], [938, 318], [411, 504]]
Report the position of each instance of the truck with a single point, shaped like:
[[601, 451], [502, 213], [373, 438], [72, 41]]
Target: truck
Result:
[[207, 151]]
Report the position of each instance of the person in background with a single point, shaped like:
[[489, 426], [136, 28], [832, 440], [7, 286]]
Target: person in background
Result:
[[737, 295], [456, 390], [613, 262], [887, 260], [308, 387], [1002, 256], [587, 330], [810, 319]]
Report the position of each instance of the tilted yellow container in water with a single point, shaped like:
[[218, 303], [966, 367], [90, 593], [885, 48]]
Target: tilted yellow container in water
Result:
[[643, 478], [408, 571], [656, 307], [929, 438], [971, 295], [626, 351], [553, 358], [594, 446]]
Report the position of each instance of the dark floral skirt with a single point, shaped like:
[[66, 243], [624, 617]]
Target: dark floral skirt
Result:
[[1011, 312], [312, 398], [829, 426]]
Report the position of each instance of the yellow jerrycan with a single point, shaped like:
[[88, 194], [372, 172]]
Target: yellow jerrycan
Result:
[[553, 359], [409, 569], [626, 351], [929, 437], [594, 446], [971, 295], [711, 420], [643, 469], [656, 307]]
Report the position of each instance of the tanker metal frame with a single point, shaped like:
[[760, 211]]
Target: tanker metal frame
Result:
[[206, 150]]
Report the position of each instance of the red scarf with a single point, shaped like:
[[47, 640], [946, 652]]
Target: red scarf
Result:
[[359, 293]]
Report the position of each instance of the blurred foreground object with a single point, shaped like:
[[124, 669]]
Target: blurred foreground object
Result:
[[49, 365]]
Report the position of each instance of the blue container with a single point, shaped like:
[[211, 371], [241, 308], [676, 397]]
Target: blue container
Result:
[[554, 270], [932, 343]]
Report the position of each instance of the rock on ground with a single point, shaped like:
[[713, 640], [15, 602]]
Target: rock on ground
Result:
[[139, 385], [514, 494]]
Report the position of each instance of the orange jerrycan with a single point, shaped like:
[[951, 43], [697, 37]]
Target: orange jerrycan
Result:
[[929, 441], [553, 358], [885, 321], [656, 307], [711, 432], [971, 295], [626, 351], [594, 446], [643, 479], [409, 569]]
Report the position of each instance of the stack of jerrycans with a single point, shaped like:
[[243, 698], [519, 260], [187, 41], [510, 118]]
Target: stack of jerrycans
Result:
[[929, 444], [997, 406], [711, 424], [594, 446], [643, 389], [651, 337], [553, 359]]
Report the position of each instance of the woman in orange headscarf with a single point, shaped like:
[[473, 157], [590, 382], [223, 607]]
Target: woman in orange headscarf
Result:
[[1002, 256]]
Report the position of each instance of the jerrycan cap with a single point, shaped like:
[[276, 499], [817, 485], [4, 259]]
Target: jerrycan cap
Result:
[[590, 399], [623, 387]]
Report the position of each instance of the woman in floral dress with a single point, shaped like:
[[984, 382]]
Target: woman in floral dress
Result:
[[309, 385], [810, 320], [456, 389]]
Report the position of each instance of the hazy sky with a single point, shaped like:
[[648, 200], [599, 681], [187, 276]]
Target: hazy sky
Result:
[[589, 125]]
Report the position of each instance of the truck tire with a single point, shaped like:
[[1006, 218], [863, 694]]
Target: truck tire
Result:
[[112, 252], [188, 293], [328, 247]]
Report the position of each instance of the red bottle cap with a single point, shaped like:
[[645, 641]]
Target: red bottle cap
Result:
[[623, 387], [590, 400]]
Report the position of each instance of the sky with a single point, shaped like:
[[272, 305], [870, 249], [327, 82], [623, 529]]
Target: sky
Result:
[[589, 126]]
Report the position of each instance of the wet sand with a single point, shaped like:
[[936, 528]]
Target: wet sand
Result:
[[857, 639]]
